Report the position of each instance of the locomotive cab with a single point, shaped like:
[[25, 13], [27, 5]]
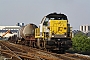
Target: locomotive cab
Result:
[[57, 25]]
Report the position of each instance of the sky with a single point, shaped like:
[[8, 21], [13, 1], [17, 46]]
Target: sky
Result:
[[32, 11]]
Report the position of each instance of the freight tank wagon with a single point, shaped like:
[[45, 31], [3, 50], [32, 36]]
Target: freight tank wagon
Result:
[[27, 35], [54, 32]]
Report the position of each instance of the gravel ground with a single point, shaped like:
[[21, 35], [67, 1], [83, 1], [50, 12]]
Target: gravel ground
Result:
[[2, 57]]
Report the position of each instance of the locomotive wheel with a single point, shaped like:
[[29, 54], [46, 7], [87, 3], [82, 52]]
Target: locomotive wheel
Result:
[[62, 50], [32, 43]]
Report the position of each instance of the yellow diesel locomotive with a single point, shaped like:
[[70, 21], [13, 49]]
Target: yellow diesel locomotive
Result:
[[54, 32]]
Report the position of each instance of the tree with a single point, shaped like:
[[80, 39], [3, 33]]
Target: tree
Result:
[[81, 42]]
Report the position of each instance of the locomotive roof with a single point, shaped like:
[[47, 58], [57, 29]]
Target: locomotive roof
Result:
[[55, 15]]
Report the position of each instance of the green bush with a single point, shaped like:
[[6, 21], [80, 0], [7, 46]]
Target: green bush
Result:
[[81, 42]]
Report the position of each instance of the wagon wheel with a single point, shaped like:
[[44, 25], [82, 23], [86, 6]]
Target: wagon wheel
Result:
[[41, 43]]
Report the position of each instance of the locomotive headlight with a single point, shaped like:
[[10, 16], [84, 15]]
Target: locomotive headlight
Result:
[[52, 35], [65, 36]]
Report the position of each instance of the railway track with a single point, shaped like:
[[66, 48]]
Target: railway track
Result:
[[5, 50], [21, 52]]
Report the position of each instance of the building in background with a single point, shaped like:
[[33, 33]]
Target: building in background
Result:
[[74, 32], [85, 28], [20, 24], [13, 29]]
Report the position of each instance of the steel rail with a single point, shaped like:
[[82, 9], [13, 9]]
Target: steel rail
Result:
[[11, 51], [34, 53], [29, 53]]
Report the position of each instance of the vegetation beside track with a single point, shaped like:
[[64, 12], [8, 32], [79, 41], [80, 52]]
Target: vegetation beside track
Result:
[[80, 44]]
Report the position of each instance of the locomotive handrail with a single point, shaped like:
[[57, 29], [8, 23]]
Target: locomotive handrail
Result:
[[43, 20]]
